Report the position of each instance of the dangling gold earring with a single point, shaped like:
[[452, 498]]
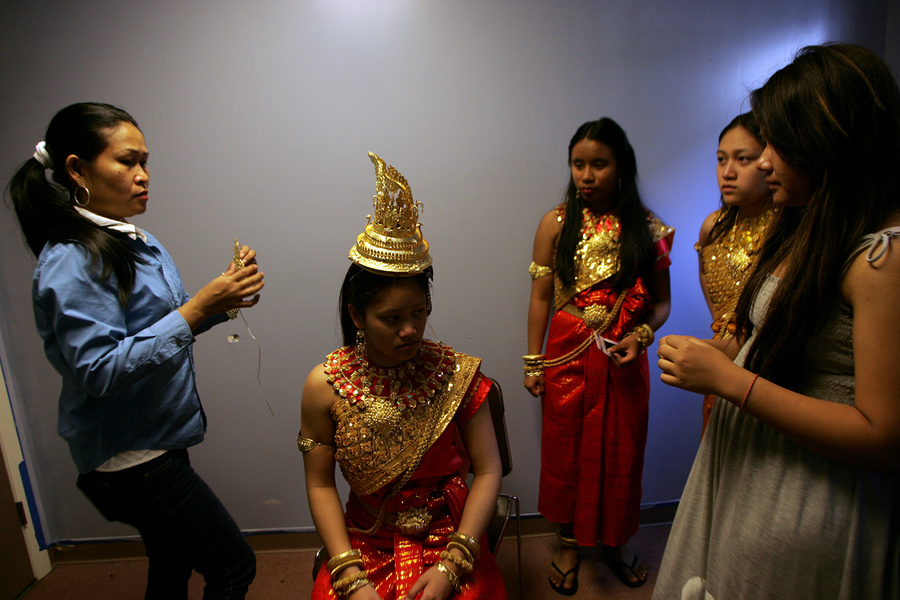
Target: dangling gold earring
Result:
[[360, 344]]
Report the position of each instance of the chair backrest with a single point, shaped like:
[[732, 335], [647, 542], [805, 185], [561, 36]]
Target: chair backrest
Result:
[[498, 416]]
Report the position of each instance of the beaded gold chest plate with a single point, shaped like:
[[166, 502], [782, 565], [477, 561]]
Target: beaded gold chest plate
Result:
[[387, 418]]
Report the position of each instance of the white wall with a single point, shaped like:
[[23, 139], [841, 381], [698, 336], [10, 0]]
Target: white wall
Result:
[[259, 116]]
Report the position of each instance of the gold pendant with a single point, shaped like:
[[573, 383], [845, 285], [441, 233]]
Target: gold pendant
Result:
[[596, 316]]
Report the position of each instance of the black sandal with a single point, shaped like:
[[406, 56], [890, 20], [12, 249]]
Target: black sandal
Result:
[[622, 570], [566, 543], [559, 589]]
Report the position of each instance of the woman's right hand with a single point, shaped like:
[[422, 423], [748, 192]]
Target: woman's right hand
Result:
[[534, 384]]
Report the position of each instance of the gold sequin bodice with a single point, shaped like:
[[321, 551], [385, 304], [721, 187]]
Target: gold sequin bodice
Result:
[[597, 254], [387, 418], [727, 263]]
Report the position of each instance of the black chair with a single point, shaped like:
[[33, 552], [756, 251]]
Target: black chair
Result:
[[507, 504]]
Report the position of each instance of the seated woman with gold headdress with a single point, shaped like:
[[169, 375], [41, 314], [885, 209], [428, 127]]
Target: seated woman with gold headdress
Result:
[[387, 407]]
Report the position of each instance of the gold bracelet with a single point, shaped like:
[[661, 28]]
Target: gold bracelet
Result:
[[343, 560], [468, 541], [465, 551], [453, 577], [356, 585], [346, 564], [342, 585], [464, 565], [644, 335]]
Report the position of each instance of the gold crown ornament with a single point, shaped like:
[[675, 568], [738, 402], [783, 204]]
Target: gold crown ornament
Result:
[[392, 242]]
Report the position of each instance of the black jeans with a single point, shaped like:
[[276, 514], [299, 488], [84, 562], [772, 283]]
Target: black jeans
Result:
[[183, 524]]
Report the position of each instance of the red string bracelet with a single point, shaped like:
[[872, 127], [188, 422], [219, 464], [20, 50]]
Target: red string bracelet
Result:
[[747, 395]]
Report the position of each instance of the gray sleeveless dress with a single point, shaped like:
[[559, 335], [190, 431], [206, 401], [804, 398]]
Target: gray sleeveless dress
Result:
[[762, 517]]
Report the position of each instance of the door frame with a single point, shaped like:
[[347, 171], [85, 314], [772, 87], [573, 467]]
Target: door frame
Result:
[[12, 458]]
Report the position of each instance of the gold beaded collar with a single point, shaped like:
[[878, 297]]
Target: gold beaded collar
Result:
[[414, 382]]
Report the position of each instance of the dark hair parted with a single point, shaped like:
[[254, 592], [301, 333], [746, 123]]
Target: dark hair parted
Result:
[[636, 243], [361, 287], [728, 214], [833, 114], [44, 208]]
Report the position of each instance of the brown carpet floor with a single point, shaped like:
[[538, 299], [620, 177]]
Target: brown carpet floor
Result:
[[288, 574]]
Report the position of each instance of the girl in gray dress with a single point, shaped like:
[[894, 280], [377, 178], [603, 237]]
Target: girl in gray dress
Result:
[[795, 490]]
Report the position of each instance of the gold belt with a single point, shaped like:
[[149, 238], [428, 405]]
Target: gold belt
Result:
[[596, 317], [412, 521]]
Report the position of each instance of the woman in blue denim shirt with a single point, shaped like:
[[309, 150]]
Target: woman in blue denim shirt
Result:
[[118, 326]]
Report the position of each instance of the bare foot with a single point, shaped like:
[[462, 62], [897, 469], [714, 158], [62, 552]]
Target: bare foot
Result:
[[626, 565]]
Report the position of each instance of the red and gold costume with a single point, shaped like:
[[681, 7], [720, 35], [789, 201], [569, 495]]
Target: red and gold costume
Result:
[[397, 444], [595, 414]]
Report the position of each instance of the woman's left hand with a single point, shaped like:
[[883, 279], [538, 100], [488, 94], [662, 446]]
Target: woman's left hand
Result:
[[625, 351], [432, 584], [692, 364]]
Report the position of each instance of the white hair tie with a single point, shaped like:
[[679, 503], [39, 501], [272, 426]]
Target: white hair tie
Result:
[[42, 156]]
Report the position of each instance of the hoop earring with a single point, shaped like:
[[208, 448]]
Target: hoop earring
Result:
[[360, 344], [75, 196]]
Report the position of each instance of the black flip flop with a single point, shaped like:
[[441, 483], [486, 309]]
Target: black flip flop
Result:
[[621, 570], [559, 589]]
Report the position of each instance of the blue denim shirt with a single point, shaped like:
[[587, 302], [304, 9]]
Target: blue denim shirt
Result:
[[127, 371]]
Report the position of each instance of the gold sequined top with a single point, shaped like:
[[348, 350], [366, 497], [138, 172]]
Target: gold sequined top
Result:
[[597, 254], [388, 418], [727, 263]]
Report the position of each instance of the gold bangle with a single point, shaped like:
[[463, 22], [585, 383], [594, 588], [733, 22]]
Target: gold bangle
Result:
[[464, 565], [453, 577], [468, 541], [644, 335], [465, 551], [343, 560], [356, 585], [345, 564], [342, 585]]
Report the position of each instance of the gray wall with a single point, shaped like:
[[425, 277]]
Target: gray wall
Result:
[[259, 116]]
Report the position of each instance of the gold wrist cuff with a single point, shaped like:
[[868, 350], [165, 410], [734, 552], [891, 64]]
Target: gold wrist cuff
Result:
[[453, 577]]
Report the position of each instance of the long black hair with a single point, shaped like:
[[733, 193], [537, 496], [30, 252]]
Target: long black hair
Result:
[[44, 208], [728, 214], [834, 115], [635, 242], [361, 287]]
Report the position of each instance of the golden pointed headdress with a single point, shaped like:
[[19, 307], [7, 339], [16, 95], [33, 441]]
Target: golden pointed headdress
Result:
[[392, 242]]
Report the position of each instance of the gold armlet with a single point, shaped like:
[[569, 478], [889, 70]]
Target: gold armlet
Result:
[[536, 270], [307, 444]]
